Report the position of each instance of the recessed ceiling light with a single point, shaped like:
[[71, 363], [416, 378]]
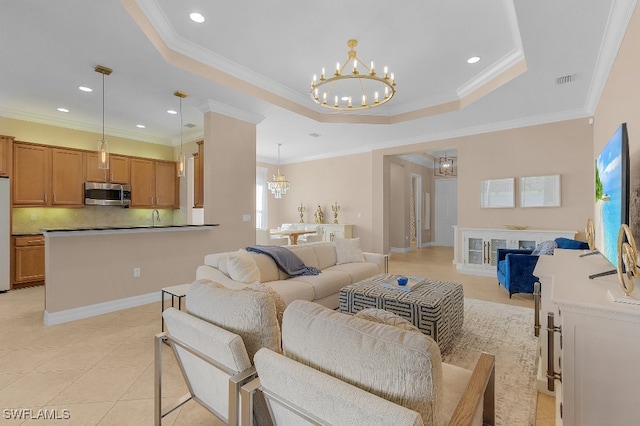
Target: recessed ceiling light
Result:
[[173, 112], [473, 59], [63, 109], [344, 98], [85, 89], [196, 17], [141, 126]]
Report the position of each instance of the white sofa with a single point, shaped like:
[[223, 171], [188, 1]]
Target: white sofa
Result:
[[323, 288]]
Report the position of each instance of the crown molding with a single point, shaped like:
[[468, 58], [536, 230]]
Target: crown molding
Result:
[[209, 105], [617, 24]]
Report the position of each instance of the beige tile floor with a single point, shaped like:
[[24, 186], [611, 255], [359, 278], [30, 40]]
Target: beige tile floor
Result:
[[99, 371]]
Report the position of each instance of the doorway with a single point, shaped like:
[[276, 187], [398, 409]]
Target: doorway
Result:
[[446, 209]]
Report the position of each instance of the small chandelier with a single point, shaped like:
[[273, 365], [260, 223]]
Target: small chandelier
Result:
[[279, 186], [445, 166], [103, 146], [181, 157], [353, 91]]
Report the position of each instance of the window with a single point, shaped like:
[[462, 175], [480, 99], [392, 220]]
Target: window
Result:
[[261, 198]]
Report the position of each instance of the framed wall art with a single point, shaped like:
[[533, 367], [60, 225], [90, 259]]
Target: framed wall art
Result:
[[540, 191], [497, 193]]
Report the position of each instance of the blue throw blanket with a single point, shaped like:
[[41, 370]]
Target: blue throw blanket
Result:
[[286, 260]]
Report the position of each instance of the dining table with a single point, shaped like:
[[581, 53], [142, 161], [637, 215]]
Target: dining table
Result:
[[292, 234]]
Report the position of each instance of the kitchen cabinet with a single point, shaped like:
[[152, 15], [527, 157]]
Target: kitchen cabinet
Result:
[[31, 171], [153, 183], [45, 176], [67, 178], [6, 159], [118, 171], [28, 265]]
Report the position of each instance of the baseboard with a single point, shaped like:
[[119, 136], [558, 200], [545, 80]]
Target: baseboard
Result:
[[100, 308], [400, 249]]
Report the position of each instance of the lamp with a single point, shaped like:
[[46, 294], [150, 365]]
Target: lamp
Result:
[[279, 186], [181, 157], [445, 166], [353, 91], [103, 146]]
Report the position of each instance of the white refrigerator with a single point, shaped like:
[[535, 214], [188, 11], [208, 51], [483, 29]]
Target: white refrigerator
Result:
[[5, 234]]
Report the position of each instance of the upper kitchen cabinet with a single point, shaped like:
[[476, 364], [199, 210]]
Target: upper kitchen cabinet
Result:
[[31, 171], [67, 178], [6, 161], [198, 176], [153, 183], [45, 176], [118, 171]]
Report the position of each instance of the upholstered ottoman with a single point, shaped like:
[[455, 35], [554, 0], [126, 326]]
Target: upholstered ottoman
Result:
[[435, 307]]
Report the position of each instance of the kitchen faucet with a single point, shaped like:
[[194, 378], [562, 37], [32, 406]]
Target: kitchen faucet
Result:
[[155, 214]]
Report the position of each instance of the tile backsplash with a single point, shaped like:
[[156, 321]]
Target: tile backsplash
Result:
[[27, 220]]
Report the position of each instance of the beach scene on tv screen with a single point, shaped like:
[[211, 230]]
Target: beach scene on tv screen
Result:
[[608, 211]]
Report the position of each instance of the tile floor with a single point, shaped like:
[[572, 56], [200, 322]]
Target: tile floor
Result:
[[99, 371]]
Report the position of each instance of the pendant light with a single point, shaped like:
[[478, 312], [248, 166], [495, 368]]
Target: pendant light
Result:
[[103, 146], [181, 157]]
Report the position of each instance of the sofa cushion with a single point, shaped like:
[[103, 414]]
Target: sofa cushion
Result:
[[249, 314], [266, 265], [568, 243], [306, 254], [291, 289], [386, 317], [348, 250], [326, 283], [242, 267], [357, 271], [401, 366], [326, 254]]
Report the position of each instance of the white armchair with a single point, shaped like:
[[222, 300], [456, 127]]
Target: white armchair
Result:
[[393, 362], [214, 344]]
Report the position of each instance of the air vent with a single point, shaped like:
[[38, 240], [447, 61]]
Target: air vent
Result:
[[190, 125], [314, 135], [565, 79]]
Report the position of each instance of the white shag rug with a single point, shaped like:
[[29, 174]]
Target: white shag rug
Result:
[[507, 332]]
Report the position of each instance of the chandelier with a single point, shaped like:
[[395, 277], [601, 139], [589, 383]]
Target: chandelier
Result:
[[279, 186], [352, 91], [445, 166], [103, 146]]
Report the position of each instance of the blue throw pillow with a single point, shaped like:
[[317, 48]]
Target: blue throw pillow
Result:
[[568, 243], [545, 247]]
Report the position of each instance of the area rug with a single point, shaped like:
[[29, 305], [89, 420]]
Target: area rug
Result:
[[507, 332]]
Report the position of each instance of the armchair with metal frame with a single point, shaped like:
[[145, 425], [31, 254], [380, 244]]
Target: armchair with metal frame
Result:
[[213, 361]]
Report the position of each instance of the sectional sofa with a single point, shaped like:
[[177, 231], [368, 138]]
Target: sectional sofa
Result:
[[342, 262]]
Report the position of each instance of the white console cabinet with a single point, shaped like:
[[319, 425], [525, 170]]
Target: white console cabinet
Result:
[[596, 346], [329, 231], [480, 246]]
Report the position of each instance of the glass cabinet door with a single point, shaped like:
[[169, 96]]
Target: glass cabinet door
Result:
[[495, 245], [475, 251], [526, 245]]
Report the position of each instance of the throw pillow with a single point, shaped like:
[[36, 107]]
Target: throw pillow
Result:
[[545, 247], [348, 250], [222, 266], [278, 300], [567, 243], [386, 317], [242, 267]]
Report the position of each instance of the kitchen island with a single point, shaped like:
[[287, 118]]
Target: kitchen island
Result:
[[92, 271]]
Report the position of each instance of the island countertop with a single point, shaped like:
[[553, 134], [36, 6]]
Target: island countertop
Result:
[[63, 232]]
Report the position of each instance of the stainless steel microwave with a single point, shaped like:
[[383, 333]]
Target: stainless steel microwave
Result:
[[107, 194]]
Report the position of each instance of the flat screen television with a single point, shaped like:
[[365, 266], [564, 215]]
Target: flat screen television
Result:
[[612, 193]]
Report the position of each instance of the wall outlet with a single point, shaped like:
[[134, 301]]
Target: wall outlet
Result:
[[246, 218], [33, 216], [136, 272]]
